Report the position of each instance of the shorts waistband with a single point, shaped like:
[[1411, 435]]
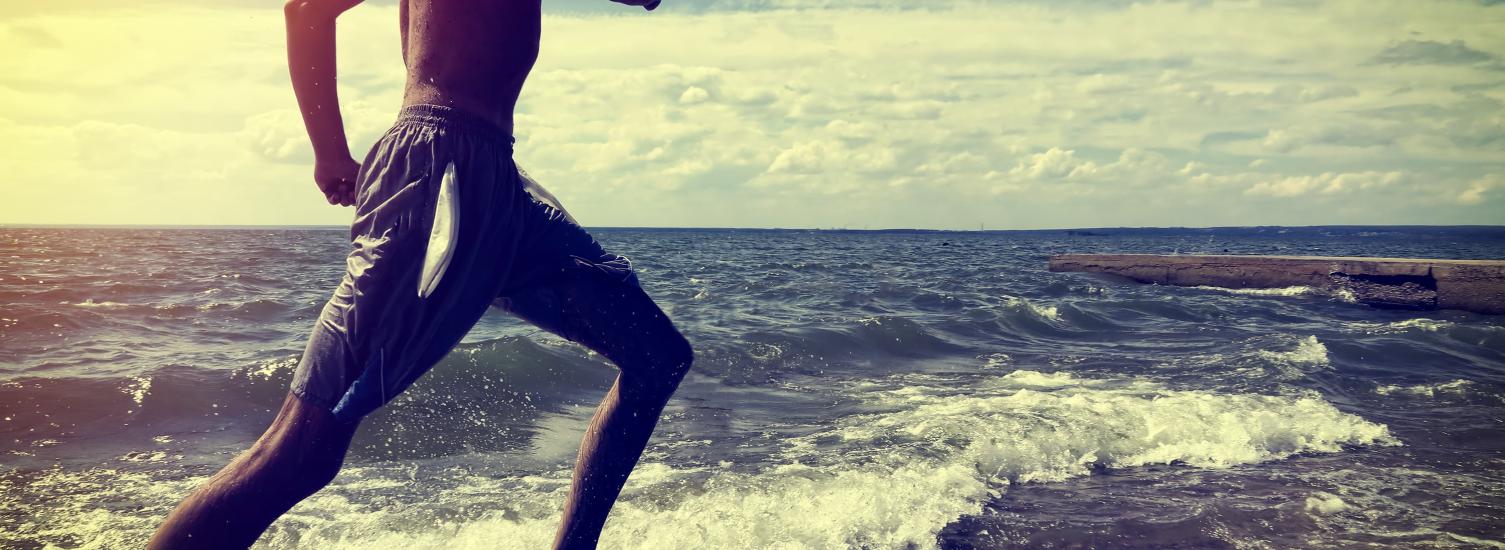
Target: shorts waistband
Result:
[[441, 116]]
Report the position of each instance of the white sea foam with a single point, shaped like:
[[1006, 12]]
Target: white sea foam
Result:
[[1034, 379], [883, 480], [765, 352], [704, 291], [1341, 294], [1282, 291], [1039, 310], [1011, 429], [1486, 543], [1325, 504], [895, 479], [791, 506], [1380, 501], [994, 361], [1309, 351], [75, 512], [90, 303], [1456, 387], [1419, 324]]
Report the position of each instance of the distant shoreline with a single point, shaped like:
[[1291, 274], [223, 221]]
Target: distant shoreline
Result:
[[1267, 230]]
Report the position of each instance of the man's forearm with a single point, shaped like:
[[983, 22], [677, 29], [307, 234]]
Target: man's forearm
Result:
[[311, 62]]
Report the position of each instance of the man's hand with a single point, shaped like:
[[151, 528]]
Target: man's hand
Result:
[[646, 4], [311, 63], [337, 180]]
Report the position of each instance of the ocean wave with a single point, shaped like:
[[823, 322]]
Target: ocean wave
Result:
[[1281, 291], [788, 507], [253, 310], [895, 479], [1308, 351], [1042, 311], [85, 509], [1325, 504], [1030, 426], [90, 303], [1257, 363], [794, 351], [1421, 324], [1379, 502], [486, 385], [1455, 387], [886, 480], [1340, 294]]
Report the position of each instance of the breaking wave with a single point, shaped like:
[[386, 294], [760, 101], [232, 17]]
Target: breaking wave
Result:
[[889, 479], [1340, 294]]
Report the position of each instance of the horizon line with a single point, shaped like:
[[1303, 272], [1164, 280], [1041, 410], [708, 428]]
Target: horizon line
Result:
[[729, 228]]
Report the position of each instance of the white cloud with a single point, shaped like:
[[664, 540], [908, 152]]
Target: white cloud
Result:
[[819, 157], [693, 95], [1478, 190], [1326, 183], [711, 114], [1055, 163], [278, 136]]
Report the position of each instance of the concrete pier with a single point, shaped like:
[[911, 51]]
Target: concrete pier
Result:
[[1471, 285]]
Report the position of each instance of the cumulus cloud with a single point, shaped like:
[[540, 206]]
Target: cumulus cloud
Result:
[[1132, 166], [1353, 134], [278, 136], [1478, 190], [693, 95], [819, 157], [1055, 163], [1424, 52], [1325, 183], [1305, 94], [756, 112]]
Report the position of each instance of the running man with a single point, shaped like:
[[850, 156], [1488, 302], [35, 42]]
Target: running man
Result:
[[445, 226]]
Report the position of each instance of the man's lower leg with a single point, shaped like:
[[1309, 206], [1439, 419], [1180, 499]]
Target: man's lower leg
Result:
[[615, 440], [299, 454]]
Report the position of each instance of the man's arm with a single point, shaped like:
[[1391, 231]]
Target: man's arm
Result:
[[645, 4], [310, 60]]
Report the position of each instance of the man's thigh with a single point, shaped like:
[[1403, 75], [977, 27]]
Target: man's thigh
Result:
[[613, 317], [432, 245], [565, 282]]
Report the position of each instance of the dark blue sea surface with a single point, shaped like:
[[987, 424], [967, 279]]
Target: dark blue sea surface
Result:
[[880, 390]]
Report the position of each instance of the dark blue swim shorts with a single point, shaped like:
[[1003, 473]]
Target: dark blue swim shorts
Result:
[[445, 226]]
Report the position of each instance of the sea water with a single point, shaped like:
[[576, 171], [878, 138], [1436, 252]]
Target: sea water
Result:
[[852, 390]]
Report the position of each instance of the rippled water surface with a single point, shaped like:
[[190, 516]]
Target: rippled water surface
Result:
[[852, 390]]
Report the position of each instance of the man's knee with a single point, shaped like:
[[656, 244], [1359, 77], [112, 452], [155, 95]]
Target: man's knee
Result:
[[302, 452], [283, 469], [663, 360], [314, 473], [676, 357]]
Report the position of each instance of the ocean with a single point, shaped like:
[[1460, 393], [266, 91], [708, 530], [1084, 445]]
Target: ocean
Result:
[[853, 389]]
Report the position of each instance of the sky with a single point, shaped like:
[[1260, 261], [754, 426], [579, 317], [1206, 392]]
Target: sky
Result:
[[944, 114]]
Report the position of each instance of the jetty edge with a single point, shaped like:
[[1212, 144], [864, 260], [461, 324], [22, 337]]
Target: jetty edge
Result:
[[1414, 283]]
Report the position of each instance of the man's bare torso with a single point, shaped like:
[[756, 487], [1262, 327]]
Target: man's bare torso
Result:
[[469, 54]]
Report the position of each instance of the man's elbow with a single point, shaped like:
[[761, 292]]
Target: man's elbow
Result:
[[297, 10], [316, 10], [293, 9]]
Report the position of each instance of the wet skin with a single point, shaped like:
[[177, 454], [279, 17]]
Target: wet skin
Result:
[[474, 56]]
